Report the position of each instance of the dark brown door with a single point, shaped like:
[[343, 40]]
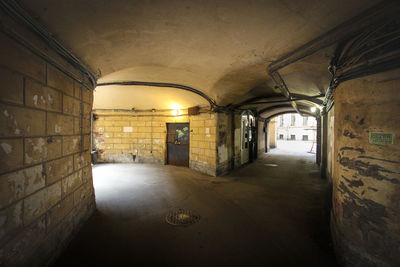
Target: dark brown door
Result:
[[178, 144]]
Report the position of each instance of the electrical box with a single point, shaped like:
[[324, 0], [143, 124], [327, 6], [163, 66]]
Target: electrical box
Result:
[[194, 110]]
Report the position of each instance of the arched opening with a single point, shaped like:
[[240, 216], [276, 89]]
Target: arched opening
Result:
[[292, 133]]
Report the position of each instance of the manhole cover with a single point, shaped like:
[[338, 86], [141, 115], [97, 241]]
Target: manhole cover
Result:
[[271, 165], [182, 217]]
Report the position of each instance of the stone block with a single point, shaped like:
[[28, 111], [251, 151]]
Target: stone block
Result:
[[59, 211], [194, 130], [99, 129], [113, 129], [11, 154], [213, 145], [159, 129], [197, 123], [58, 124], [11, 89], [10, 221], [35, 205], [81, 160], [77, 123], [18, 121], [29, 237], [126, 140], [87, 174], [71, 144], [120, 123], [82, 193], [34, 178], [57, 169], [53, 194], [209, 123], [107, 123], [11, 188], [213, 130], [42, 149], [87, 111], [122, 146], [122, 134], [142, 136], [43, 97], [86, 142], [87, 96], [20, 59], [71, 183], [58, 80], [77, 90], [71, 106]]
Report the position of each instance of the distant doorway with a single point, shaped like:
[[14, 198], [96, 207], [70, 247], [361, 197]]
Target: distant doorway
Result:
[[178, 144]]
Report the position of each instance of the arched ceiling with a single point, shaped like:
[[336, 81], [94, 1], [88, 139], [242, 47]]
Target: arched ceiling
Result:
[[221, 48]]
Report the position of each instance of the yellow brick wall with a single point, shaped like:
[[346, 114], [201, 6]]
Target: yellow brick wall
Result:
[[46, 188], [141, 137]]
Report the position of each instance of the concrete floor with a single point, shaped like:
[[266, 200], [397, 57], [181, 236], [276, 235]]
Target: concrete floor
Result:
[[258, 215]]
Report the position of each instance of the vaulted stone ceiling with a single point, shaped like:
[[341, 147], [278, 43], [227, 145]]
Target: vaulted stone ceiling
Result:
[[221, 48]]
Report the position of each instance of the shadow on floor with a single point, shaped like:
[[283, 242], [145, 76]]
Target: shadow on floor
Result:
[[259, 215]]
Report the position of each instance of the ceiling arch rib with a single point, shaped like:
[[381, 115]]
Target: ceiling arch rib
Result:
[[145, 97], [272, 111], [169, 85]]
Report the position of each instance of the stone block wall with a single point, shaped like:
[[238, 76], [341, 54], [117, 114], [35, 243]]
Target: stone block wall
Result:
[[123, 136], [224, 145], [46, 189], [366, 177], [262, 131]]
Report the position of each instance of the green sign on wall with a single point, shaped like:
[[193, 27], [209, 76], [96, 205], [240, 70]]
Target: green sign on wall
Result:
[[381, 139]]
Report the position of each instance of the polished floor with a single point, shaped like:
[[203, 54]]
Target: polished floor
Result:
[[272, 212]]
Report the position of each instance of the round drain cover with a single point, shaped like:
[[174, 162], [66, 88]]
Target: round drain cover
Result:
[[182, 217]]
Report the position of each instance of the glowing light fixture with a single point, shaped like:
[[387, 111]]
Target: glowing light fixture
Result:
[[313, 109], [176, 109]]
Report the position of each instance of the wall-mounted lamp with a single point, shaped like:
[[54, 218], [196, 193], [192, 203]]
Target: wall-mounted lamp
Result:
[[313, 109]]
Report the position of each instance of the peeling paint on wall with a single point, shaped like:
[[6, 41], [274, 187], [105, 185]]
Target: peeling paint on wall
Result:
[[7, 148], [222, 153]]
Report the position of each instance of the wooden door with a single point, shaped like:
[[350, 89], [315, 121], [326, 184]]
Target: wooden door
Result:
[[178, 144]]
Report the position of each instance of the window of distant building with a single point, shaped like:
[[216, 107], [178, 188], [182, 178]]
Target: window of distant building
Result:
[[281, 136], [305, 137], [305, 121], [281, 121], [292, 137], [292, 120]]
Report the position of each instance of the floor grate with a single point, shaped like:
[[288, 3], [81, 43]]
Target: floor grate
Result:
[[182, 217]]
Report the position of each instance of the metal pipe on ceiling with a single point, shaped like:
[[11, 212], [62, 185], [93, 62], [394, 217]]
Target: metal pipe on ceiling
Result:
[[170, 85]]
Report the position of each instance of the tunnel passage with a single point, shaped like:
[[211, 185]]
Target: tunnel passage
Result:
[[254, 216], [77, 89]]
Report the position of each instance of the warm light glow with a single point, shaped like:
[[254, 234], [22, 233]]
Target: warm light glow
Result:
[[313, 109], [175, 106], [176, 109], [176, 112]]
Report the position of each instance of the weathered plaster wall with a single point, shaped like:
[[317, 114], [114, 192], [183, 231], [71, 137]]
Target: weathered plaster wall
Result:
[[262, 131], [366, 177], [224, 144], [46, 189], [141, 137], [272, 133], [237, 140], [330, 120]]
